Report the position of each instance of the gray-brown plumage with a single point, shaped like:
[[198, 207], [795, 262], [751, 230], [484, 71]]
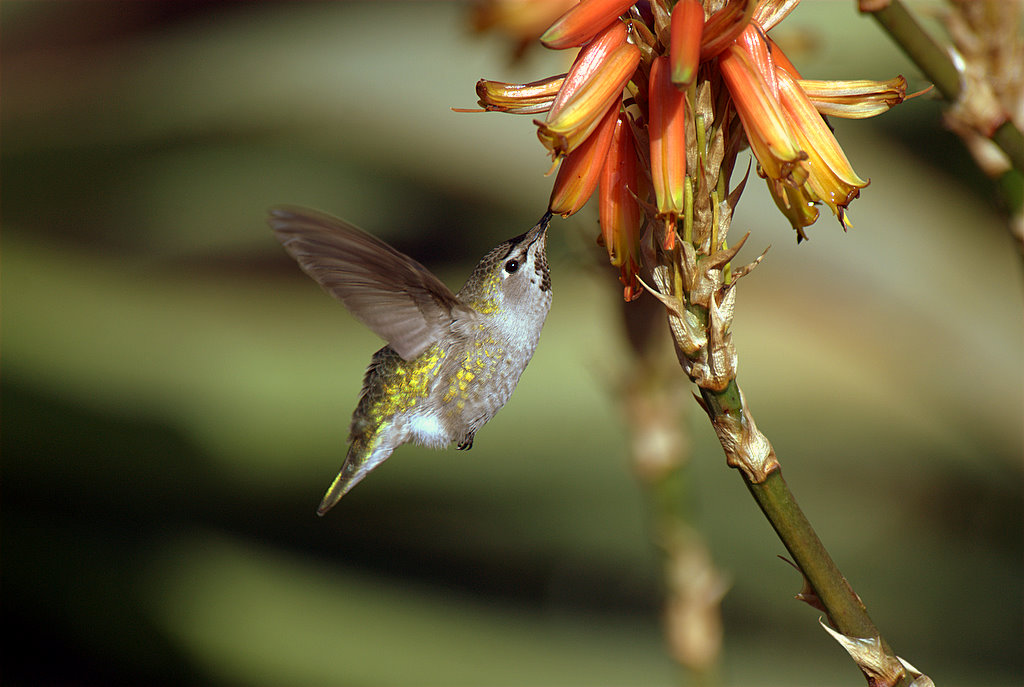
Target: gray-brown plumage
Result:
[[452, 360]]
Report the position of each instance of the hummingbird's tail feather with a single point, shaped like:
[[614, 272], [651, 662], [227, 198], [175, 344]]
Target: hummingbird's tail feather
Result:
[[358, 464], [339, 487]]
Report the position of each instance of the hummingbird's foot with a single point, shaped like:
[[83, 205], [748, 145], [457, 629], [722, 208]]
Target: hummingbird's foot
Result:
[[466, 443]]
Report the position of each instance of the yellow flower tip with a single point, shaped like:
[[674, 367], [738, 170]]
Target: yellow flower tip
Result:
[[844, 219], [667, 129], [832, 179], [797, 204], [580, 171], [554, 165], [601, 71], [687, 28], [858, 99], [582, 22]]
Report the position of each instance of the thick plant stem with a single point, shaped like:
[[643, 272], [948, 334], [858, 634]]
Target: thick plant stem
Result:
[[845, 610]]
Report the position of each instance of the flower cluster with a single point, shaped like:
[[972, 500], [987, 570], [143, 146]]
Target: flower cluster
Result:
[[622, 121]]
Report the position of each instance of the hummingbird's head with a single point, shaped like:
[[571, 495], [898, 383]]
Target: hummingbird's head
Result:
[[512, 280]]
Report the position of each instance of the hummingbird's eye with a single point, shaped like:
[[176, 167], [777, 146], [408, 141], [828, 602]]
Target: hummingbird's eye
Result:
[[511, 266]]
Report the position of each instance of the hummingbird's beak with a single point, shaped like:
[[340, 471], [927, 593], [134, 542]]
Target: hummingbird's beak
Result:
[[541, 227], [535, 233], [545, 220]]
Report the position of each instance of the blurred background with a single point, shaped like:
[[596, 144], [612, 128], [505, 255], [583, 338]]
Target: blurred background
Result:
[[176, 394]]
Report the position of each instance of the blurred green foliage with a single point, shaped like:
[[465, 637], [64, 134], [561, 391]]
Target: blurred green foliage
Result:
[[176, 394]]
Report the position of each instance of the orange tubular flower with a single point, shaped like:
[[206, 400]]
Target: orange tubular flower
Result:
[[667, 128], [618, 209], [762, 118], [781, 61], [580, 171], [832, 179], [855, 99], [582, 22], [722, 27], [588, 61], [684, 51], [518, 98], [601, 71]]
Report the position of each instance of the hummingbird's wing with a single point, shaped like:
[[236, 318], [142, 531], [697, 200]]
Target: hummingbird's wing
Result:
[[392, 294]]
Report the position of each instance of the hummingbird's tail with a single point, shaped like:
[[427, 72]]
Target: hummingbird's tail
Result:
[[358, 464]]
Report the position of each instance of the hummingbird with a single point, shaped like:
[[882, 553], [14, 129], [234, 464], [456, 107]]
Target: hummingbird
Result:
[[451, 361]]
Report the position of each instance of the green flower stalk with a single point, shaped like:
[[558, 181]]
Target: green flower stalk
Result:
[[681, 88]]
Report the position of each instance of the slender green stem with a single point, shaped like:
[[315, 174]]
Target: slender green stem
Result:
[[845, 609], [938, 67], [846, 612]]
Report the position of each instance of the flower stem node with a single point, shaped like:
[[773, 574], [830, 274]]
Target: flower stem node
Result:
[[746, 448], [879, 666]]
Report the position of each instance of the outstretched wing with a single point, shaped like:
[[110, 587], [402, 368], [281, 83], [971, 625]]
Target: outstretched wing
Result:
[[392, 294]]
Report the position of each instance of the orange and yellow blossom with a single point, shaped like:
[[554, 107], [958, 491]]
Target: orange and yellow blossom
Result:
[[632, 85], [594, 84], [796, 151]]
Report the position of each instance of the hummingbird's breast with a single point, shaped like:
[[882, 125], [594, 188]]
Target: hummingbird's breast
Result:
[[478, 377]]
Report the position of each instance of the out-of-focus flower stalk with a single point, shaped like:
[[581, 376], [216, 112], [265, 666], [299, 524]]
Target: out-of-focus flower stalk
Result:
[[981, 76]]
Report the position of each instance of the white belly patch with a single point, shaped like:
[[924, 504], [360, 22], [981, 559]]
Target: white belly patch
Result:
[[428, 431]]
